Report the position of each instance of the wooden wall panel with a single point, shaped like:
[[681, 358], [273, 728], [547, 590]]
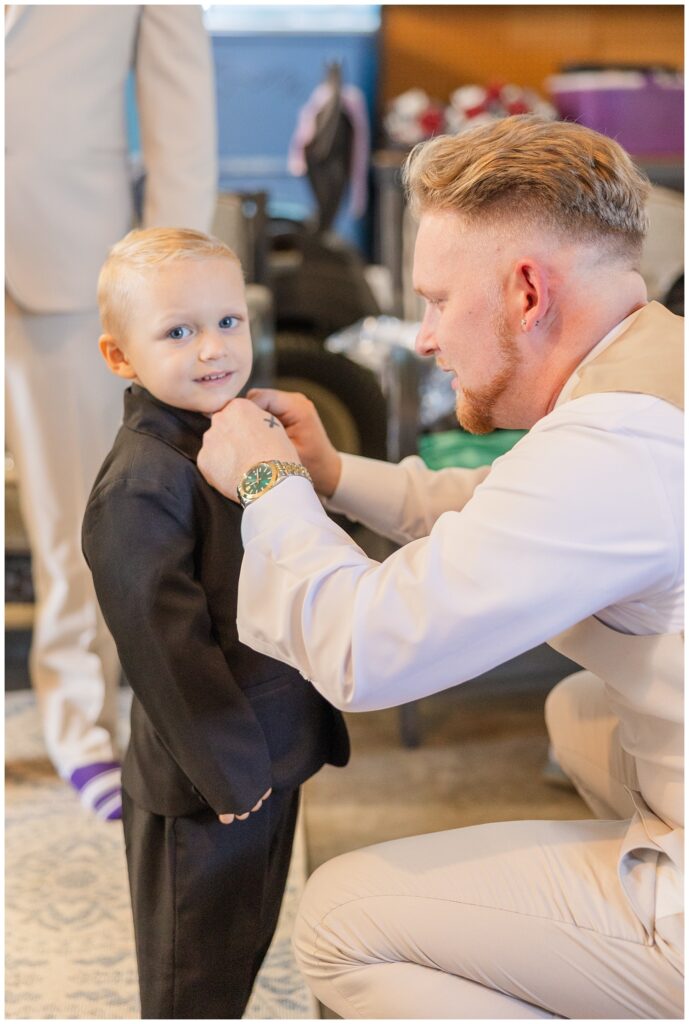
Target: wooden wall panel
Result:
[[441, 47]]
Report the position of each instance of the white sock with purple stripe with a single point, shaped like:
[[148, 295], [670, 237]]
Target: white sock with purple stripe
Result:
[[100, 788]]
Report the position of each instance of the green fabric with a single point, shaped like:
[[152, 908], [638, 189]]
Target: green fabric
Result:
[[457, 448]]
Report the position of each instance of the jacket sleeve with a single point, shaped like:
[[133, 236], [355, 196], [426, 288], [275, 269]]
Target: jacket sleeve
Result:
[[139, 543], [176, 105]]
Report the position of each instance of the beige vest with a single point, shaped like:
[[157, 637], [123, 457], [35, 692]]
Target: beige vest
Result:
[[643, 675]]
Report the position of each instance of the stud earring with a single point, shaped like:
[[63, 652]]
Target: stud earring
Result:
[[523, 324]]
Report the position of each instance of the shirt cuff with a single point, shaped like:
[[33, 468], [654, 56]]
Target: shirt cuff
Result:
[[293, 498]]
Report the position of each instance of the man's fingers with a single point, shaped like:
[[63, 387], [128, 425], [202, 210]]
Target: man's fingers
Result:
[[242, 817], [288, 405], [226, 819], [269, 399], [261, 396]]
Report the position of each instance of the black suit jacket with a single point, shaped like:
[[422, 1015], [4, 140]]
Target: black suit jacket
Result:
[[213, 722]]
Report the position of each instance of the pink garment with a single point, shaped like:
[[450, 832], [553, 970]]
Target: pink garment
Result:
[[354, 104]]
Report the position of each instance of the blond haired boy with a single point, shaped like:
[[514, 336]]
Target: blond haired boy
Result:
[[221, 737]]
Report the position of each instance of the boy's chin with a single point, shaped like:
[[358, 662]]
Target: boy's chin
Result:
[[206, 404], [217, 403], [212, 403], [215, 407]]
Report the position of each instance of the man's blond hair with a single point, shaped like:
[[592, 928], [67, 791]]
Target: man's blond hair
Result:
[[555, 174], [141, 251]]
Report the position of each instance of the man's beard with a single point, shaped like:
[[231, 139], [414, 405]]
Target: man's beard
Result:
[[474, 409]]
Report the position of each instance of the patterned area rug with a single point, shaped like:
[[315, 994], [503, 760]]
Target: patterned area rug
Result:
[[69, 943]]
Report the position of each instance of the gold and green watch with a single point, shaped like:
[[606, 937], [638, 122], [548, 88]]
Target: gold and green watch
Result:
[[264, 476]]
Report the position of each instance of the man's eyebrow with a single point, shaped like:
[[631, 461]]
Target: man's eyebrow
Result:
[[429, 293]]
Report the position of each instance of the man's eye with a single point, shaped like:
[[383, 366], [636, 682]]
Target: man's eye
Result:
[[178, 333], [229, 321]]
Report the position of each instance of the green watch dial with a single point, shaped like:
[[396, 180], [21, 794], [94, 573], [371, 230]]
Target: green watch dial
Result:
[[264, 476], [257, 479]]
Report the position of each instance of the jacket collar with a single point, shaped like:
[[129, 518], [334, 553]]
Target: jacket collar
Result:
[[178, 428]]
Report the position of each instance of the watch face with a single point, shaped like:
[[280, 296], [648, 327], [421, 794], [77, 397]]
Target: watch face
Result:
[[258, 478]]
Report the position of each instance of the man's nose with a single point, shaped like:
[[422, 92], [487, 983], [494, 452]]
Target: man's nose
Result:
[[425, 344]]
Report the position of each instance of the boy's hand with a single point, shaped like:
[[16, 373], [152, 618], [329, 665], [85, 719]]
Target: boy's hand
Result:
[[227, 819], [298, 416], [240, 435]]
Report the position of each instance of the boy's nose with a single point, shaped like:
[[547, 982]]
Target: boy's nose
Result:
[[211, 347]]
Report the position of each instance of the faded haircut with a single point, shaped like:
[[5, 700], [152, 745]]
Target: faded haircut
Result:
[[555, 174]]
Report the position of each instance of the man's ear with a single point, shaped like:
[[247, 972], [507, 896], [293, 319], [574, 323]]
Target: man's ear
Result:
[[530, 292], [115, 357]]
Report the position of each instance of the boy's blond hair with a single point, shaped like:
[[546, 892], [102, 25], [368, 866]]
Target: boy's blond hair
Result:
[[143, 250], [555, 174]]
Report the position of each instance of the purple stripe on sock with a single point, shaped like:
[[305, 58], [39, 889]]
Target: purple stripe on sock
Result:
[[97, 804], [115, 814], [82, 776]]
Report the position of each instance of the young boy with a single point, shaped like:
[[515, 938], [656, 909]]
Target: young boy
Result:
[[221, 737]]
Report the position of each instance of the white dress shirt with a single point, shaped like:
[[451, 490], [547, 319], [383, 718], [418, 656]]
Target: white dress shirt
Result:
[[582, 517]]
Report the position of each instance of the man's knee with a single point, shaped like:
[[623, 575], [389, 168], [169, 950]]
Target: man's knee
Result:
[[568, 706], [318, 942], [584, 735]]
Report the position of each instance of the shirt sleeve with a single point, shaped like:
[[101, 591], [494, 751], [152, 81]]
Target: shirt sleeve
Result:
[[176, 104], [139, 541], [569, 522], [401, 501]]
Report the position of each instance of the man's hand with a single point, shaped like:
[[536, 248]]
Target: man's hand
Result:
[[240, 435], [301, 421], [227, 819]]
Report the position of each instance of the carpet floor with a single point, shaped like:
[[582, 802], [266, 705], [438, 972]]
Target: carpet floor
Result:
[[69, 943]]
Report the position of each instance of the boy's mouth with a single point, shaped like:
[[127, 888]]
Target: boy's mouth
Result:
[[213, 378]]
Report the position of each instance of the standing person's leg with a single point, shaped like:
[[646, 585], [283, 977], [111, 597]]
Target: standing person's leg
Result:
[[500, 921], [63, 409], [205, 899], [584, 734]]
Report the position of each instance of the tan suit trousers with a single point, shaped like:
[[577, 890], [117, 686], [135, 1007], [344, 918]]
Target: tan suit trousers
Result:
[[502, 921], [63, 409]]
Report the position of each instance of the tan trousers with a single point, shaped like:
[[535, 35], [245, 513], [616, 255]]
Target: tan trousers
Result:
[[63, 409], [502, 921]]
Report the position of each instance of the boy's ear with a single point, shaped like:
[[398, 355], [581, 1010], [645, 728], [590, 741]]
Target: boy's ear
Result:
[[115, 358]]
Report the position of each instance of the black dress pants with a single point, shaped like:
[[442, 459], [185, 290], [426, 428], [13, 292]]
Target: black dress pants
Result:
[[205, 900]]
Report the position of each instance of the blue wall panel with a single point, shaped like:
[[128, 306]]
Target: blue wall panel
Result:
[[262, 81]]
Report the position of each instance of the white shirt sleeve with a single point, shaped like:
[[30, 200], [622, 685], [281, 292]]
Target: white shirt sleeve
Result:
[[401, 501], [578, 518]]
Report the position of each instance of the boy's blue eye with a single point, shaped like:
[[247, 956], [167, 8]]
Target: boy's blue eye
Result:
[[178, 333], [229, 321]]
